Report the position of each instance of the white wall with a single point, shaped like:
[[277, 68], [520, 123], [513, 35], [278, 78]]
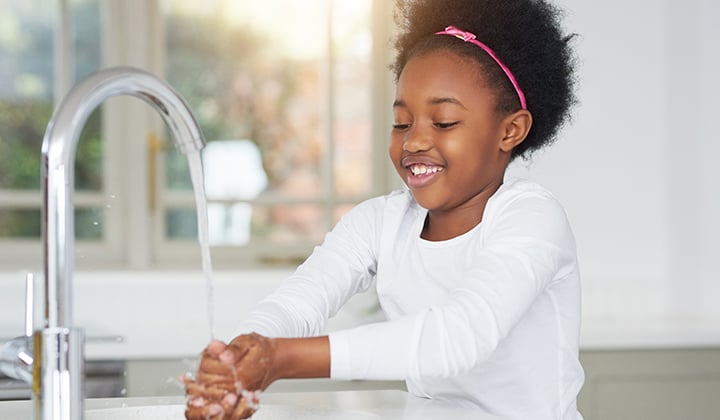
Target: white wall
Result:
[[635, 169]]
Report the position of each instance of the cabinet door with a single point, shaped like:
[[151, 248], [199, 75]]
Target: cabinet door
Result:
[[651, 384]]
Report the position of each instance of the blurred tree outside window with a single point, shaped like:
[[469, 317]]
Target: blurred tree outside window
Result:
[[282, 92], [27, 68], [295, 86]]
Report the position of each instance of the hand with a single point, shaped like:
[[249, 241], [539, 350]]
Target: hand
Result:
[[230, 378]]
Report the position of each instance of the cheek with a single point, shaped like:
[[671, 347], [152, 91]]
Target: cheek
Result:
[[462, 151], [395, 152], [395, 147], [472, 153], [479, 142]]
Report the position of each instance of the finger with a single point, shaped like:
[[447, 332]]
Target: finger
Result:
[[200, 413], [186, 379], [228, 403], [247, 405], [210, 394], [228, 357], [246, 340], [194, 413], [215, 366], [215, 347], [213, 380], [243, 410], [214, 411], [238, 347]]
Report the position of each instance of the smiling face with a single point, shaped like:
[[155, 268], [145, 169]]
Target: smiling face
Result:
[[449, 144]]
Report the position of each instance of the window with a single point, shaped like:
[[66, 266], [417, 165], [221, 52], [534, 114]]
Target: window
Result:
[[294, 106], [32, 73]]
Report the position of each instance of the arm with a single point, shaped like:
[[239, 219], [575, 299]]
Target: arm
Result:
[[526, 246], [341, 267], [296, 358]]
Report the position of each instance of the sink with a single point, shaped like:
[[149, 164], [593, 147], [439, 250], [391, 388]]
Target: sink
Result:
[[266, 412]]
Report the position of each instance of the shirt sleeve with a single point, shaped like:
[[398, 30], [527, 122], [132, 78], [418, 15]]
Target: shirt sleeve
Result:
[[341, 267], [527, 246]]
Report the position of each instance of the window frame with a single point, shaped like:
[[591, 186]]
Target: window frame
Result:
[[134, 219]]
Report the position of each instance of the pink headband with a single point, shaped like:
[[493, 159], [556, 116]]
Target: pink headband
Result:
[[471, 38]]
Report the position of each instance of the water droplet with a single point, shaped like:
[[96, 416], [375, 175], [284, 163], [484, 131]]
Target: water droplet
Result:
[[95, 223]]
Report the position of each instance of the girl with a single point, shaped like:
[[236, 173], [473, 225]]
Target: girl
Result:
[[476, 274]]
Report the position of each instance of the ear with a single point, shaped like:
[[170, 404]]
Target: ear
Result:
[[516, 127]]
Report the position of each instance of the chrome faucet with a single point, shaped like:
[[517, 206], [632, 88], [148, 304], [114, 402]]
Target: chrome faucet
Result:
[[56, 368]]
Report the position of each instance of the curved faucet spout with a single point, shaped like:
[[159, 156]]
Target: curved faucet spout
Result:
[[58, 347], [58, 151]]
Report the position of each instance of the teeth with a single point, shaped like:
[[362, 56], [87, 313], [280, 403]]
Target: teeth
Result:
[[423, 170]]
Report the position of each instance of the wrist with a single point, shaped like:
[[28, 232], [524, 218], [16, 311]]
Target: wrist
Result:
[[300, 358]]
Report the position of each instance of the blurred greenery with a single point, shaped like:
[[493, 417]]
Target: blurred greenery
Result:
[[26, 106], [238, 86]]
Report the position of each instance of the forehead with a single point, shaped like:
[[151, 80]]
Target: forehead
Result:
[[442, 73]]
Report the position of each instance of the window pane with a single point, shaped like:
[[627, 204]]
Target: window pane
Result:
[[177, 171], [181, 224], [19, 223], [352, 48], [88, 157], [25, 223], [27, 50], [240, 223], [279, 94], [289, 224], [89, 223], [86, 33], [26, 89], [245, 82]]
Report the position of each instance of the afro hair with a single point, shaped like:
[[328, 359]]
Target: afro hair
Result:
[[525, 34]]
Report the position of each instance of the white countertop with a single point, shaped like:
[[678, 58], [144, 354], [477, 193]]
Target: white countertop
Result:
[[380, 405], [149, 314]]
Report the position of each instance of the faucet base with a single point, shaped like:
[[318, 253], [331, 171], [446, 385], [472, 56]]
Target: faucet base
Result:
[[59, 356]]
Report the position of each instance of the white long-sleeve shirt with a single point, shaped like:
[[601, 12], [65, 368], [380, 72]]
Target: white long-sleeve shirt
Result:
[[488, 319]]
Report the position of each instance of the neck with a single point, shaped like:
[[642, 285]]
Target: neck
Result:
[[441, 225]]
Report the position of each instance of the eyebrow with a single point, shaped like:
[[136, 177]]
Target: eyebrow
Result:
[[432, 101]]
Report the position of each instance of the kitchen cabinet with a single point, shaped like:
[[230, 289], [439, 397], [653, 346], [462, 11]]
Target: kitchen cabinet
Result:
[[651, 383]]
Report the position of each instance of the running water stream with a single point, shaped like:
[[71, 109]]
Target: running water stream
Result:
[[196, 174]]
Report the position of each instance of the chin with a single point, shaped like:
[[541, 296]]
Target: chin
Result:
[[425, 200]]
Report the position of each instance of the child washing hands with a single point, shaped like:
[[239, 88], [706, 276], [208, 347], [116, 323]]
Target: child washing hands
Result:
[[476, 274]]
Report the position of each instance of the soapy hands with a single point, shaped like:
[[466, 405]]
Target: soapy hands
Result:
[[230, 379]]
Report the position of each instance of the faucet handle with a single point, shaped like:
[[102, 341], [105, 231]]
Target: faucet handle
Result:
[[29, 304], [16, 356]]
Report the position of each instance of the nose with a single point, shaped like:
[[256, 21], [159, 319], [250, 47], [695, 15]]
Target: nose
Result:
[[417, 140]]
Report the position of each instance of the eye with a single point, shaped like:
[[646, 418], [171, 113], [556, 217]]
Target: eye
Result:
[[446, 125], [400, 127]]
